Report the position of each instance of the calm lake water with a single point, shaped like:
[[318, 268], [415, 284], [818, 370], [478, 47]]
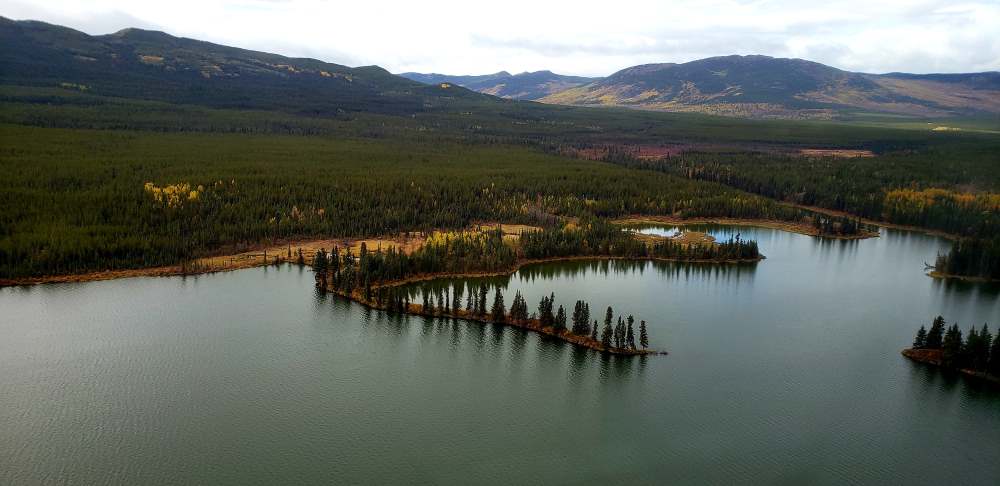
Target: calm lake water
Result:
[[783, 372]]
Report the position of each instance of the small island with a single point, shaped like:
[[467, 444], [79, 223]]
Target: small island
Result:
[[377, 279], [977, 354]]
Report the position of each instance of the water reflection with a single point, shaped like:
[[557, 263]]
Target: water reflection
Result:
[[579, 270]]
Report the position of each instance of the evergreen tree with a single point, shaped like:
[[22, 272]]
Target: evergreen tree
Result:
[[577, 312], [994, 366], [498, 312], [967, 357], [425, 306], [593, 331], [470, 300], [921, 340], [630, 333], [982, 349], [608, 316], [935, 337], [643, 337], [320, 263], [545, 316], [951, 347], [518, 308], [606, 334], [560, 319]]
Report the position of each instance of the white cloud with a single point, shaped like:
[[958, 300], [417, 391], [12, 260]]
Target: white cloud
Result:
[[581, 37]]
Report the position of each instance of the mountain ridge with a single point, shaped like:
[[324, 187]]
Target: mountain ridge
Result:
[[146, 64], [764, 86]]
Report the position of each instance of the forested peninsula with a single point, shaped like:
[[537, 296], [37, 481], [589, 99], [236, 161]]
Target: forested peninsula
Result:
[[378, 278]]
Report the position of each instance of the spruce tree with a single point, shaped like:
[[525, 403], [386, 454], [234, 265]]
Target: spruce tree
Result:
[[921, 340], [425, 305], [935, 337], [995, 356], [593, 331], [560, 320], [606, 334], [630, 333], [577, 310], [951, 347], [983, 349], [643, 337], [498, 313], [469, 300], [967, 357], [618, 333], [320, 263]]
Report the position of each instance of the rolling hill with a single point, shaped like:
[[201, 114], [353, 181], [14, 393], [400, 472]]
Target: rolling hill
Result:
[[523, 86], [150, 65], [135, 63], [767, 87]]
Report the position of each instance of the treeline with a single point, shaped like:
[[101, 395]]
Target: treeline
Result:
[[912, 185], [978, 351], [971, 257], [910, 188], [600, 238], [440, 254], [488, 251], [620, 335]]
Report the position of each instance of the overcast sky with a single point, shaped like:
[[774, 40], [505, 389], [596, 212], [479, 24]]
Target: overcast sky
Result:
[[581, 37]]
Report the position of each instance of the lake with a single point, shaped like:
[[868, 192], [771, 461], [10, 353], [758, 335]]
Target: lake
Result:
[[782, 372]]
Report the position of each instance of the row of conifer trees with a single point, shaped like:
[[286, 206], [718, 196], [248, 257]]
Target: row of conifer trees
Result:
[[978, 350], [447, 302]]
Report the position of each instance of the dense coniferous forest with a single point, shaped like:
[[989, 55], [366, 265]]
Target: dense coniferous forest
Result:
[[951, 187], [974, 257], [81, 200]]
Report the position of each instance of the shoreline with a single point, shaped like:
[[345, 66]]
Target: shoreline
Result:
[[788, 226], [965, 278], [533, 325], [523, 262], [873, 222], [530, 324], [253, 256], [932, 357]]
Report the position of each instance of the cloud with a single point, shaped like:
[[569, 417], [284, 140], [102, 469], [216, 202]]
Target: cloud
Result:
[[589, 37]]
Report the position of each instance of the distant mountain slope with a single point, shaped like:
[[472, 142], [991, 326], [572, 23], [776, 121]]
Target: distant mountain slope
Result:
[[524, 86], [136, 63], [761, 86]]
